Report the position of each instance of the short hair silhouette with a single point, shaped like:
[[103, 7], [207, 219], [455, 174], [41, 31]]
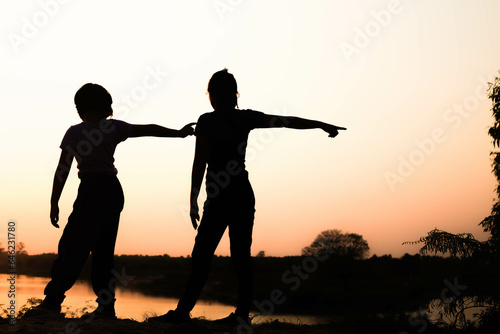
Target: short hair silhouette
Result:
[[93, 224], [93, 98], [223, 90]]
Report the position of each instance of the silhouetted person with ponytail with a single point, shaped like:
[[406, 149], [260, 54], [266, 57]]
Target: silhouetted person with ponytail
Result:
[[221, 140]]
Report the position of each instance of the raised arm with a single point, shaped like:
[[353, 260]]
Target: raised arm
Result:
[[154, 130], [199, 166], [60, 177], [274, 121]]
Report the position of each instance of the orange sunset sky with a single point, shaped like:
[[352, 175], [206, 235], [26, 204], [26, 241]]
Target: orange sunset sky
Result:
[[407, 79]]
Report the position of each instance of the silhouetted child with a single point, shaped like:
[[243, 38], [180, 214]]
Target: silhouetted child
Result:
[[93, 223], [221, 140]]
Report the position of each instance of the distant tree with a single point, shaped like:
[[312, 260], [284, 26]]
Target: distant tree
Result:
[[2, 250], [21, 249], [261, 254], [334, 242]]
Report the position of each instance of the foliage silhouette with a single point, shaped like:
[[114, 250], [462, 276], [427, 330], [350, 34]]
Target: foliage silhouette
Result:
[[491, 223], [457, 245], [486, 292], [334, 242], [21, 249], [261, 254], [464, 244]]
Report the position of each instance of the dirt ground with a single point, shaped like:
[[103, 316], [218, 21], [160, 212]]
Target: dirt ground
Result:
[[125, 326]]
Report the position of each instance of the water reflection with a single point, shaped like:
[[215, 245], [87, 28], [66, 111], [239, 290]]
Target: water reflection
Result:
[[130, 304], [465, 311]]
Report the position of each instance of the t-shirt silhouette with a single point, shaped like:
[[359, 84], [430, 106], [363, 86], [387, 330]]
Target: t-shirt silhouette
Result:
[[94, 146], [227, 133]]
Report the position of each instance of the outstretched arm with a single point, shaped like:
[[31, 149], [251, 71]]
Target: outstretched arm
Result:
[[274, 121], [60, 178], [154, 130], [199, 166]]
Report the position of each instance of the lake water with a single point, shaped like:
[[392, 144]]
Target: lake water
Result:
[[130, 304]]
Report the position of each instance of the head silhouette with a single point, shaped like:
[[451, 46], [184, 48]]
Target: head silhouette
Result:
[[93, 99], [223, 90]]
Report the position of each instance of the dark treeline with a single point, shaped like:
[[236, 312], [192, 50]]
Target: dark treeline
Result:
[[302, 284]]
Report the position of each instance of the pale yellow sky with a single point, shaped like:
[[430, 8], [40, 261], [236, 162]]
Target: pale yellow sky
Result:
[[407, 78]]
